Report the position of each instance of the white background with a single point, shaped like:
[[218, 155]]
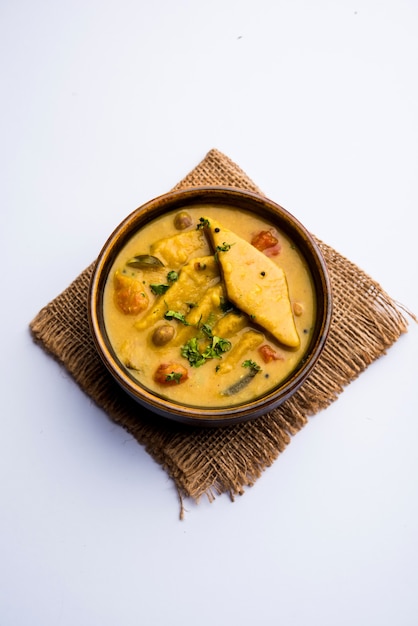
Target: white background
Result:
[[104, 105]]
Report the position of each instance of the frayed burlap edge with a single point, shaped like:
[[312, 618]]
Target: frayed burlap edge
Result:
[[201, 461]]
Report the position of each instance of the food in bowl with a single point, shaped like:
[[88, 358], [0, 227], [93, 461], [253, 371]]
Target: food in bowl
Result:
[[215, 313], [207, 307]]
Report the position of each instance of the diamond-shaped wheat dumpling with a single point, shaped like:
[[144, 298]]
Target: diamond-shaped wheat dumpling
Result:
[[254, 283]]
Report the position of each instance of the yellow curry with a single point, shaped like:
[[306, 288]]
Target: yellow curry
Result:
[[209, 306]]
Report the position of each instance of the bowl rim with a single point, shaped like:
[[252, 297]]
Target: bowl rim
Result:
[[154, 208]]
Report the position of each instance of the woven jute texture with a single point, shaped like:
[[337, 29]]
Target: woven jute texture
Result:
[[366, 321]]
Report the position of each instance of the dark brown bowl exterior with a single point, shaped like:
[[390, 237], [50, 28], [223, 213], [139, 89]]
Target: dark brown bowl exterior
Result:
[[241, 200]]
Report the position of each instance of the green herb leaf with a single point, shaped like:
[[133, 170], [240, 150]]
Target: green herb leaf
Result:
[[252, 365], [158, 290], [225, 247], [196, 358], [190, 351], [203, 223], [219, 345], [174, 376], [172, 276], [207, 330], [175, 315]]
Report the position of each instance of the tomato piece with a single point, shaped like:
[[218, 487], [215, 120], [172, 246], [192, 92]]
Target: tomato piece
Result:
[[266, 240], [170, 374], [268, 354]]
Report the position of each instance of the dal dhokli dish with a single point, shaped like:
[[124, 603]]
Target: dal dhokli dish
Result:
[[209, 306]]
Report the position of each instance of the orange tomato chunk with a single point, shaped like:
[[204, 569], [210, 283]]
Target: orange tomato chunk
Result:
[[170, 374], [268, 354], [265, 240]]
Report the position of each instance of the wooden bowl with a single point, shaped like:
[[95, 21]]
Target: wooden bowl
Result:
[[239, 200]]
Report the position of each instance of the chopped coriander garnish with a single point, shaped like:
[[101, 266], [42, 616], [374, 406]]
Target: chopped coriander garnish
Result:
[[214, 350], [252, 365], [203, 223], [158, 290], [172, 276], [207, 330], [224, 247], [175, 315], [174, 376], [218, 347], [191, 352]]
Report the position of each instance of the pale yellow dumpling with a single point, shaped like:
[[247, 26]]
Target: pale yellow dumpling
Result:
[[254, 283]]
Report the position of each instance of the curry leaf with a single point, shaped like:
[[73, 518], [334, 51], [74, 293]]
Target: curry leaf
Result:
[[145, 261]]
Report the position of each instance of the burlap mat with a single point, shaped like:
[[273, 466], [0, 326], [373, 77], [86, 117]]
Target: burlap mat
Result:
[[366, 321]]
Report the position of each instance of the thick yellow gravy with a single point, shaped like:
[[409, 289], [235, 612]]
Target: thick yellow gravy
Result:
[[160, 352]]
